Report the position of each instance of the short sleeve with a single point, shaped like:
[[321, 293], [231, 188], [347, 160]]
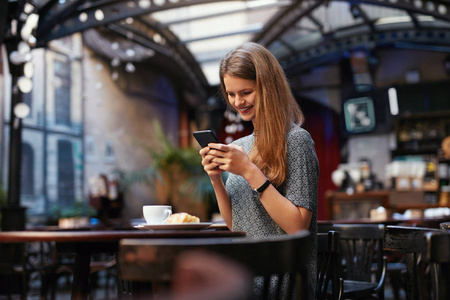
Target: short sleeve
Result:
[[302, 182]]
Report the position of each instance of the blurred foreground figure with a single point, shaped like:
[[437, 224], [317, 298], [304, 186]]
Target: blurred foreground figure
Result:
[[201, 275]]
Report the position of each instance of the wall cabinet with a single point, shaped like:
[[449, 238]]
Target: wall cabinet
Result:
[[421, 134]]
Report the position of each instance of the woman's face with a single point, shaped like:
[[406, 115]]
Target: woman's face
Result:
[[241, 95]]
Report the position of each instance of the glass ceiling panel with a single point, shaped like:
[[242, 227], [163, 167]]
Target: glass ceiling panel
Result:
[[211, 27], [306, 25], [375, 12], [215, 49], [211, 30], [211, 71], [198, 11], [209, 53], [336, 15]]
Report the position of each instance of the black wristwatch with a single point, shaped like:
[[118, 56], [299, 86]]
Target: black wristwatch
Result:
[[262, 187]]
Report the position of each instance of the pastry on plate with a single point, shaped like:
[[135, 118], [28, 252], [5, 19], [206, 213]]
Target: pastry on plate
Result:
[[179, 218]]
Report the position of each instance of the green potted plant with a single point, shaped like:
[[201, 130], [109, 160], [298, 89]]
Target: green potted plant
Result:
[[75, 216], [177, 173]]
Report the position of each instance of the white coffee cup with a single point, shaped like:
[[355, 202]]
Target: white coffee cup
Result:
[[156, 214]]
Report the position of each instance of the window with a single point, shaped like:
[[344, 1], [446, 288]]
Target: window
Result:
[[62, 92], [66, 176], [28, 99], [27, 170]]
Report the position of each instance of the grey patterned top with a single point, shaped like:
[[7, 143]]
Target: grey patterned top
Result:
[[300, 187]]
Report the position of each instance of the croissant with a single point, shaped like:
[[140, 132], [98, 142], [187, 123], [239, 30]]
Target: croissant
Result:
[[182, 217]]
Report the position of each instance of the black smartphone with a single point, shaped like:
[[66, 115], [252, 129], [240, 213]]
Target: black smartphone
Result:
[[204, 137]]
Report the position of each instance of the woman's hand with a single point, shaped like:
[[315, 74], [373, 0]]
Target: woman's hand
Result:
[[210, 167], [230, 158]]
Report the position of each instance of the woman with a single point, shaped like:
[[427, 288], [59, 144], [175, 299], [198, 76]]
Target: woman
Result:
[[273, 173]]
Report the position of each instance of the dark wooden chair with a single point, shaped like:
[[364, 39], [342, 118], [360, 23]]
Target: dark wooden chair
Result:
[[437, 254], [395, 266], [360, 246], [329, 284], [412, 242], [278, 264]]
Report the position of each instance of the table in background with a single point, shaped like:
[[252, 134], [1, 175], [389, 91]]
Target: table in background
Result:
[[340, 205], [445, 225], [416, 222], [85, 243]]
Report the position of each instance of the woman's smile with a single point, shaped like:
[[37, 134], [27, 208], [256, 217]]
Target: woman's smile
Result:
[[241, 95]]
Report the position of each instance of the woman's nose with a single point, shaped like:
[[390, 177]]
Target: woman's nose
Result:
[[239, 99]]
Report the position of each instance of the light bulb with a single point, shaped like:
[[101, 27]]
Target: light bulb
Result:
[[21, 110], [129, 67], [28, 69], [25, 85]]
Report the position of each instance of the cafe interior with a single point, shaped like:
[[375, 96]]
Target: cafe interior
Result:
[[99, 102]]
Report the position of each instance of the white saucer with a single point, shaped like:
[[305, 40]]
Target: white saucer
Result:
[[182, 226]]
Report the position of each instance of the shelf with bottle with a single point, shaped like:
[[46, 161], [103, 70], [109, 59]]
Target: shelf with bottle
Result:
[[421, 133], [444, 173]]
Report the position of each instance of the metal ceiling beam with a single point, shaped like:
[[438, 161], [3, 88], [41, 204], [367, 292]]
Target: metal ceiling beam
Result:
[[287, 17], [438, 9], [316, 22], [58, 20], [181, 54], [284, 20], [363, 15], [3, 19], [414, 19], [334, 50], [141, 38], [333, 43]]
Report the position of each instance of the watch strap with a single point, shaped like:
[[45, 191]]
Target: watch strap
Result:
[[262, 187]]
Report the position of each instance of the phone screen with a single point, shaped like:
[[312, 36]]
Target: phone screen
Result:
[[204, 137]]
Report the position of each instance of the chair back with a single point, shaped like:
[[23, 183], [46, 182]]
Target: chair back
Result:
[[412, 242], [438, 256], [360, 245], [154, 260], [327, 266]]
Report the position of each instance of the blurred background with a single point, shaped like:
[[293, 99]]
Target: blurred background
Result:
[[99, 100]]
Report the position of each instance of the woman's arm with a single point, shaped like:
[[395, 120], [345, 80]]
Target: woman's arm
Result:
[[289, 217], [215, 175], [233, 159]]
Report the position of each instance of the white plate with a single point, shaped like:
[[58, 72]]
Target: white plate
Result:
[[219, 225], [182, 226]]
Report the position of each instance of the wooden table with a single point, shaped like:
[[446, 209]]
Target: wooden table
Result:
[[85, 243], [417, 222]]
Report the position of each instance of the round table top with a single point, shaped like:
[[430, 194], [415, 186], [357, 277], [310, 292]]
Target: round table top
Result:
[[108, 235]]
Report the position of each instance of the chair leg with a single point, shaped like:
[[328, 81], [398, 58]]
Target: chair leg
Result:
[[396, 286]]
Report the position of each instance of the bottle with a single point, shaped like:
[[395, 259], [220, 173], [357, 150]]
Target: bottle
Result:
[[443, 170], [444, 196]]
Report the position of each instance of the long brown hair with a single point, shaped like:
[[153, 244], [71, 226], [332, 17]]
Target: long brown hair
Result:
[[276, 107]]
